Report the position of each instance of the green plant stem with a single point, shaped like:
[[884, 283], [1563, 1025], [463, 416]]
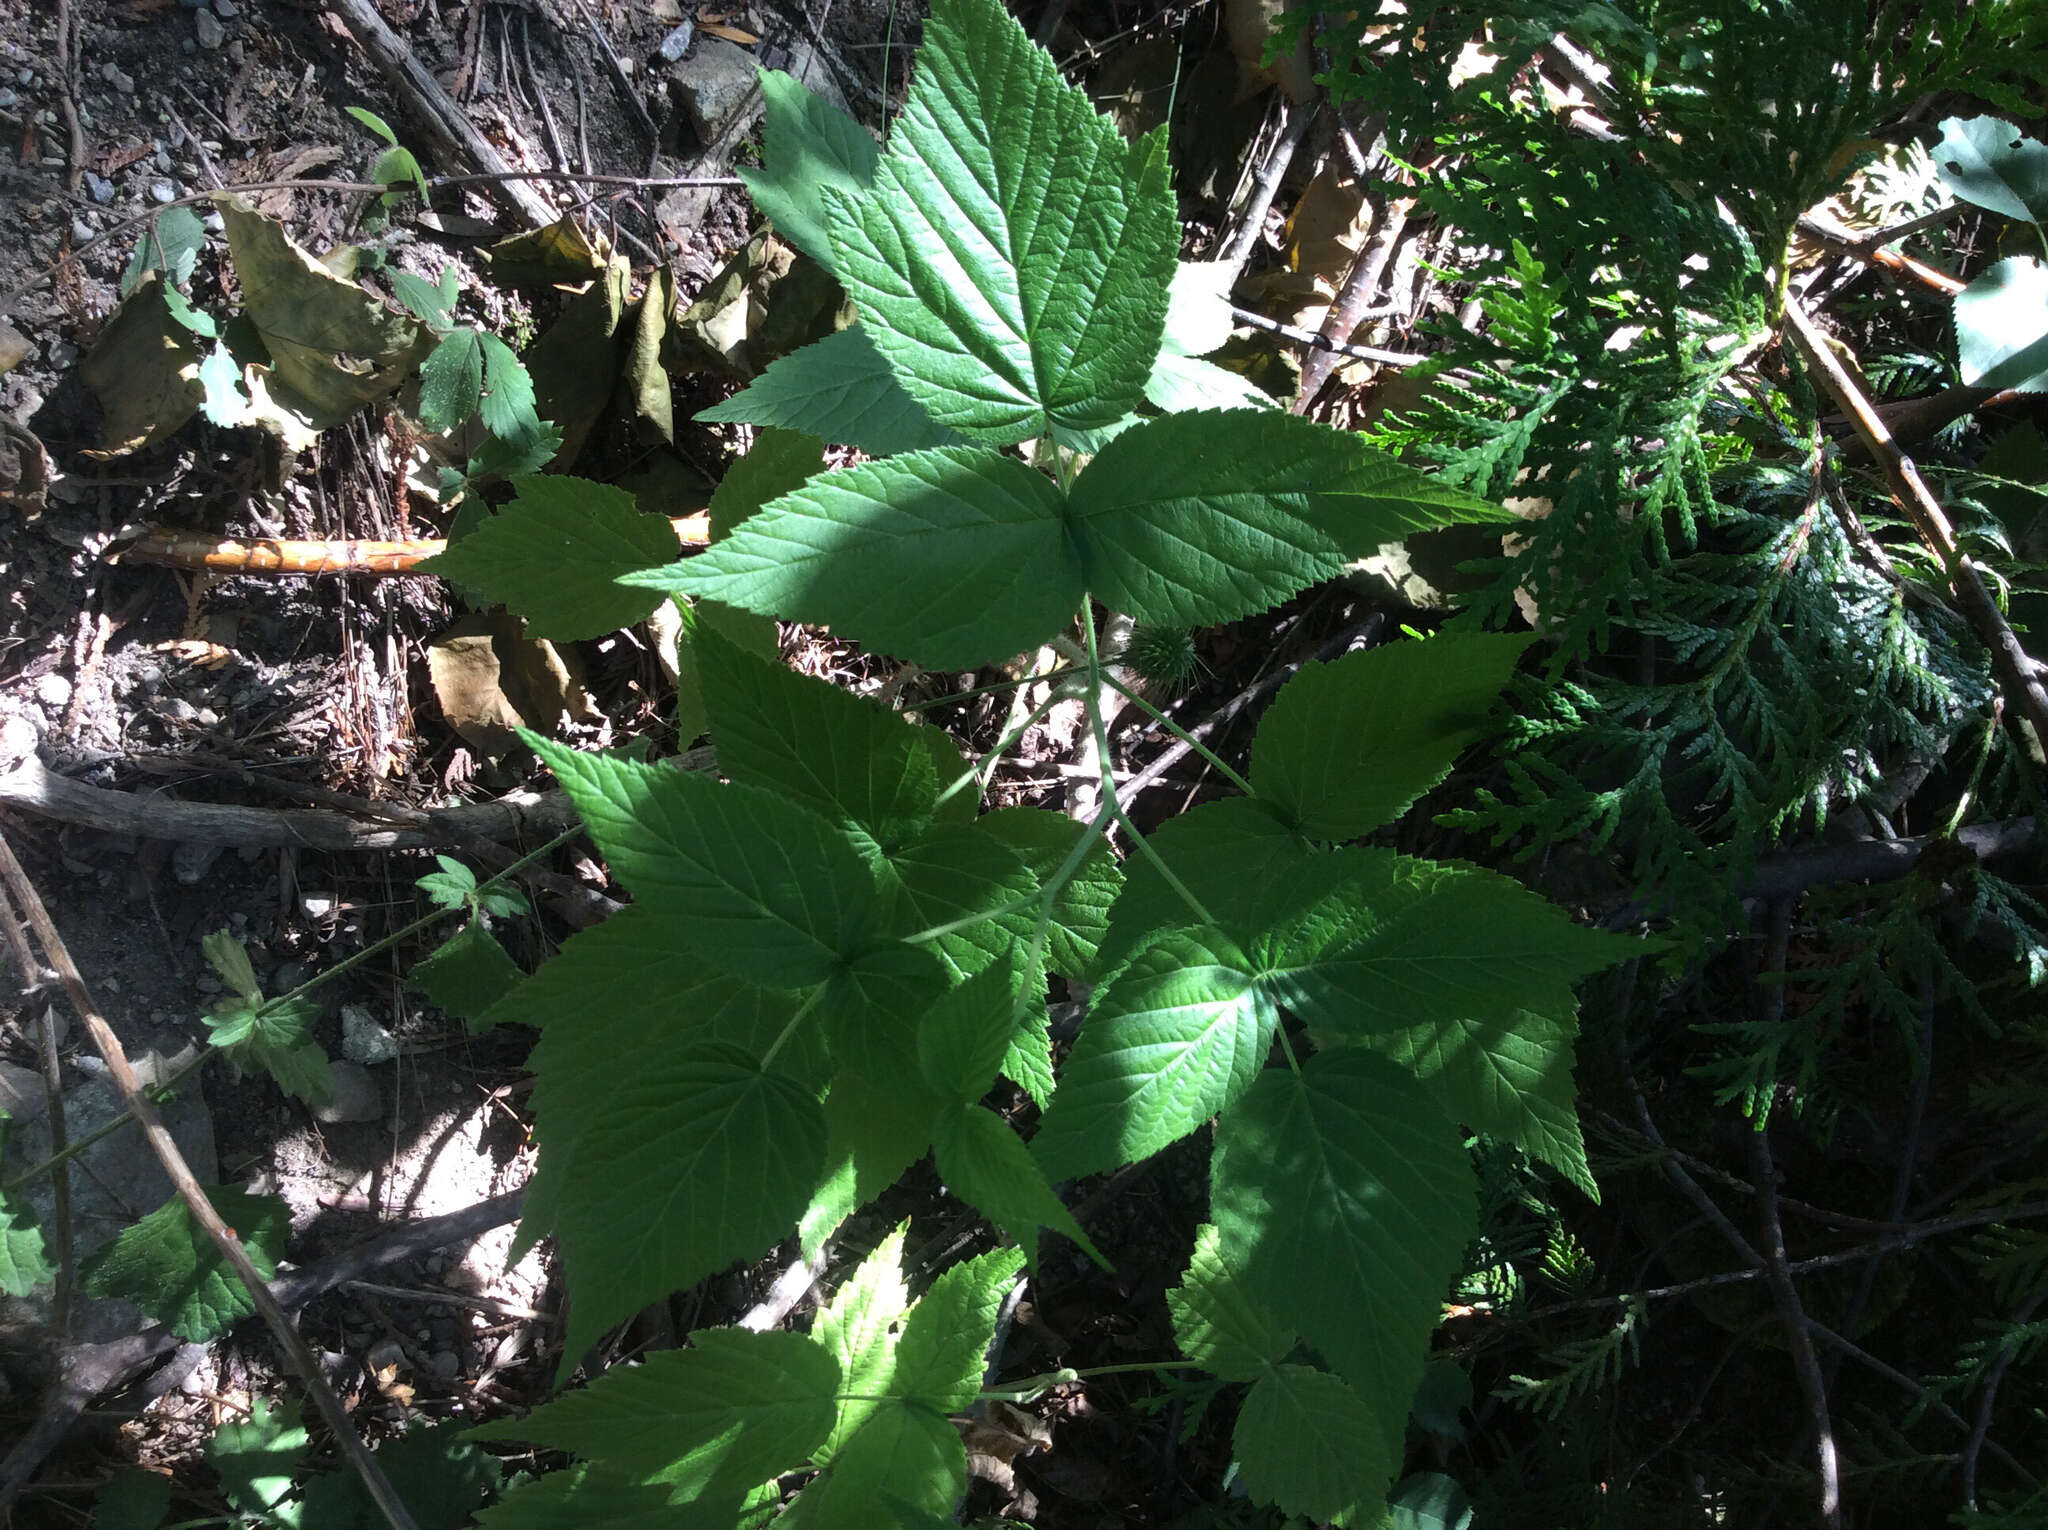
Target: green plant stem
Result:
[[157, 1091], [1215, 759], [1109, 798], [403, 933], [984, 767], [1031, 1388], [803, 1012]]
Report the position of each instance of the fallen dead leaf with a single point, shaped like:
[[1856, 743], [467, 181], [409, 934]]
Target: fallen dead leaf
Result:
[[144, 371]]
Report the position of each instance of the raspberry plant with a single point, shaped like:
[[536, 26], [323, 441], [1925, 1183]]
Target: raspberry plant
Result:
[[832, 954]]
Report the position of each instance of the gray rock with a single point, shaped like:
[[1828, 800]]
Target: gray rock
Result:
[[21, 1093], [356, 1096], [677, 43], [9, 98], [117, 1179], [384, 1354], [190, 862], [365, 1039], [125, 84], [207, 28], [445, 1364], [713, 83], [163, 193], [227, 10], [99, 188], [80, 232], [54, 690]]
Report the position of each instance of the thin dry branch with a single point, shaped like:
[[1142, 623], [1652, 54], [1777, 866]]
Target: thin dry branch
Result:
[[2011, 662], [223, 1238]]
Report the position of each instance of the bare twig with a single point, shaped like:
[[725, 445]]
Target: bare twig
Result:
[[2011, 662], [1316, 342], [1784, 1294], [223, 1238], [195, 550], [1361, 286], [1872, 254], [53, 1100], [620, 78], [1265, 184], [790, 1287], [1980, 1429]]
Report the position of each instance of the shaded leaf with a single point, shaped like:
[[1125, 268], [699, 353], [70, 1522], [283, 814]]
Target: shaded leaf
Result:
[[2002, 326], [168, 1267], [839, 389], [985, 1163], [143, 369], [554, 555], [807, 144], [1218, 1323], [1348, 745], [1306, 1442], [256, 1461], [467, 974]]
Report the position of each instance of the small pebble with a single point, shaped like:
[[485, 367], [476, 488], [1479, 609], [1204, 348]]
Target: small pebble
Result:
[[54, 691], [191, 46], [99, 188], [677, 43], [163, 193], [446, 1364], [227, 10], [26, 77], [62, 353], [206, 982], [385, 1353], [177, 708], [8, 98], [214, 222], [125, 84], [21, 1093], [80, 231], [206, 26], [363, 1038]]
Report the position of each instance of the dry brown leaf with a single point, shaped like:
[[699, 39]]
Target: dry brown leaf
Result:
[[731, 34], [995, 1441], [1251, 29], [24, 467], [491, 678]]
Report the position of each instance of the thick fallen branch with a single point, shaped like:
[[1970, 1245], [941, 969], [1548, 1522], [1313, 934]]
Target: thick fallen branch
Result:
[[29, 786], [84, 1371], [196, 550]]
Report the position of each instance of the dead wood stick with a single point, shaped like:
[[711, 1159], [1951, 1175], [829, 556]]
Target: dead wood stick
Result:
[[29, 786], [449, 134], [223, 1237], [1904, 265], [170, 548], [2009, 660], [84, 1371]]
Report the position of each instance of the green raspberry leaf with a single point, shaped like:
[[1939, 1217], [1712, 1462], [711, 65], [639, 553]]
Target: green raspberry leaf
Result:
[[1043, 840], [1174, 1036], [555, 553], [23, 1265], [988, 1166], [256, 1462], [703, 1157], [841, 754], [274, 1038], [508, 402], [1206, 517], [969, 878], [626, 985], [452, 381], [873, 1132], [1402, 942], [839, 389], [467, 974], [1346, 1198], [451, 886], [168, 1267], [760, 886], [954, 557], [716, 1419], [1012, 254], [965, 1036], [1308, 1443], [1349, 745], [944, 1344], [1220, 1325], [807, 144]]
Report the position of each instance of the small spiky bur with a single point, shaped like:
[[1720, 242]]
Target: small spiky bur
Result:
[[1165, 658]]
